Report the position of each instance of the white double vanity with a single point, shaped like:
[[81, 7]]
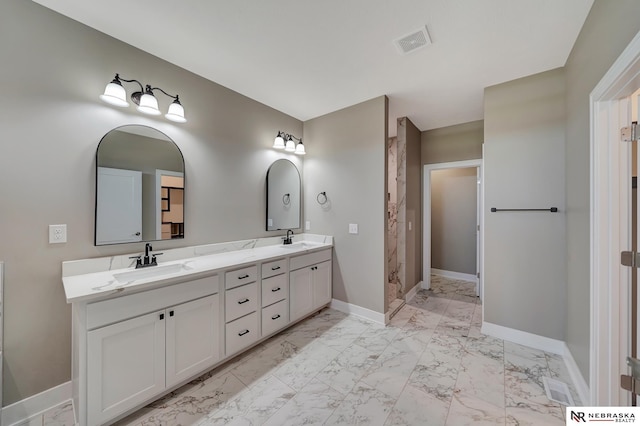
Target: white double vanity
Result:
[[140, 333]]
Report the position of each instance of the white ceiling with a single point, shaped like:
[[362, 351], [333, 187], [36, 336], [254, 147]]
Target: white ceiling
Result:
[[308, 58]]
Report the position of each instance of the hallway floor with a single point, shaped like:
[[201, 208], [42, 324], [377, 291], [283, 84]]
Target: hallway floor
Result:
[[430, 366]]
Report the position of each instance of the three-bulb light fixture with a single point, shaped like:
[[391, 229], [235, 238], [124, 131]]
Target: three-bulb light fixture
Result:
[[145, 99], [287, 142]]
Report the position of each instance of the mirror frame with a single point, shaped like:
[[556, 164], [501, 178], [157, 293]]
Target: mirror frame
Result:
[[97, 167], [299, 196]]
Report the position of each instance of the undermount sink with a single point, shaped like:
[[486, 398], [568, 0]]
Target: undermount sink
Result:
[[300, 245], [148, 272]]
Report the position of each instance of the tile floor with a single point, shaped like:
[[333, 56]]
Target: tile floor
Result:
[[429, 366]]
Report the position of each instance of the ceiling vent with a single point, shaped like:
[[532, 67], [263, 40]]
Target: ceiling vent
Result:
[[413, 41]]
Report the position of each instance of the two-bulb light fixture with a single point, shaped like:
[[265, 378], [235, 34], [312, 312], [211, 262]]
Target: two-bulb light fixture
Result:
[[145, 99], [287, 142]]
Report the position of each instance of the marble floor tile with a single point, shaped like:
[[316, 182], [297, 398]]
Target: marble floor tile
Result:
[[430, 366], [364, 405], [312, 405], [417, 407], [253, 406], [296, 372], [347, 368], [470, 410], [59, 416]]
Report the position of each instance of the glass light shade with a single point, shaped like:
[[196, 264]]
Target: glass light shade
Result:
[[176, 113], [300, 149], [115, 94], [148, 104], [291, 145], [278, 143]]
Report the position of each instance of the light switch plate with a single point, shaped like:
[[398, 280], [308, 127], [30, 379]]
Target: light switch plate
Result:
[[353, 228], [57, 234], [307, 225]]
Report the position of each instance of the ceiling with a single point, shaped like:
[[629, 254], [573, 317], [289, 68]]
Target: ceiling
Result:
[[308, 58]]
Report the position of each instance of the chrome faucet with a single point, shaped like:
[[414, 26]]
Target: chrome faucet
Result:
[[287, 239], [143, 262]]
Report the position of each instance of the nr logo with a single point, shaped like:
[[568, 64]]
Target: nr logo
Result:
[[577, 416]]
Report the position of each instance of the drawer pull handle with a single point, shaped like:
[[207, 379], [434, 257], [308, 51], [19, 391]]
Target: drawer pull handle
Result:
[[161, 317], [243, 277], [275, 268], [275, 289], [170, 313], [275, 317], [242, 333], [240, 302]]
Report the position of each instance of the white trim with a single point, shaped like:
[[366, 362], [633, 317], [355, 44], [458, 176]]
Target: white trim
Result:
[[608, 233], [576, 377], [454, 275], [523, 338], [350, 309], [426, 218], [412, 293], [21, 411]]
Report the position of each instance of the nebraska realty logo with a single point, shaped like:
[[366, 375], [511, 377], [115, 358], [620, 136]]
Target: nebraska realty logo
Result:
[[602, 415]]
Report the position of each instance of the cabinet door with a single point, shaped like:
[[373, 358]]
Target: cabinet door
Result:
[[301, 292], [322, 284], [192, 338], [125, 366]]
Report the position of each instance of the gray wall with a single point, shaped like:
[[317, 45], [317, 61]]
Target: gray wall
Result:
[[53, 70], [524, 129], [453, 143], [349, 164], [453, 219], [608, 29]]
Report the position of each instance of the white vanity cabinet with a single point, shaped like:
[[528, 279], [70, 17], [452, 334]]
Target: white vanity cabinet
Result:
[[309, 283], [137, 346], [241, 306], [275, 296]]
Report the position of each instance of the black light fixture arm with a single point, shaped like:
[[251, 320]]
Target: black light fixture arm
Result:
[[118, 79], [176, 97]]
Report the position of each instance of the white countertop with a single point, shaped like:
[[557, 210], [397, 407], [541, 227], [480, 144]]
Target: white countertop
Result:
[[99, 285]]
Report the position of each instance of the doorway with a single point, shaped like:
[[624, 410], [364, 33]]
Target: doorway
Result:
[[469, 235], [611, 228]]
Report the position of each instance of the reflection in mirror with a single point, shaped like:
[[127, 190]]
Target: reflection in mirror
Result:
[[139, 187], [283, 196]]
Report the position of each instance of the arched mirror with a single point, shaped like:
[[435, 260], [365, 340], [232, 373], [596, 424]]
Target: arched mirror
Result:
[[283, 196], [139, 187]]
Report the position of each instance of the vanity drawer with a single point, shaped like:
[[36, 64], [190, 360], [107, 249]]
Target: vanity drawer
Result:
[[240, 301], [275, 289], [121, 308], [241, 276], [276, 267], [309, 259], [275, 317], [241, 333]]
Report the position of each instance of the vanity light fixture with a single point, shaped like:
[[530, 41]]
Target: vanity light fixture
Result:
[[287, 142], [145, 99]]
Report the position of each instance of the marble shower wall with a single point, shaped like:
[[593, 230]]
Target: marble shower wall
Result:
[[392, 218], [401, 240]]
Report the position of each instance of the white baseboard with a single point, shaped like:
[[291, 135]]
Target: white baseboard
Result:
[[523, 338], [576, 376], [348, 308], [454, 275], [412, 293], [21, 411]]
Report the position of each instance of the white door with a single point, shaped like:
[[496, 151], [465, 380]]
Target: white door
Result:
[[321, 284], [301, 292], [192, 338], [125, 366], [118, 206]]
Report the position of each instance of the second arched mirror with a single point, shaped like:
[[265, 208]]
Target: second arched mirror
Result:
[[139, 187], [283, 196]]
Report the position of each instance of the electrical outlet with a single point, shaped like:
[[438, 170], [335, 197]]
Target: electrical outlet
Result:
[[307, 225], [353, 228], [57, 234]]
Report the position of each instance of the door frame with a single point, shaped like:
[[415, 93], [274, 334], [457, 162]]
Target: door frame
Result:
[[426, 219], [610, 190]]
